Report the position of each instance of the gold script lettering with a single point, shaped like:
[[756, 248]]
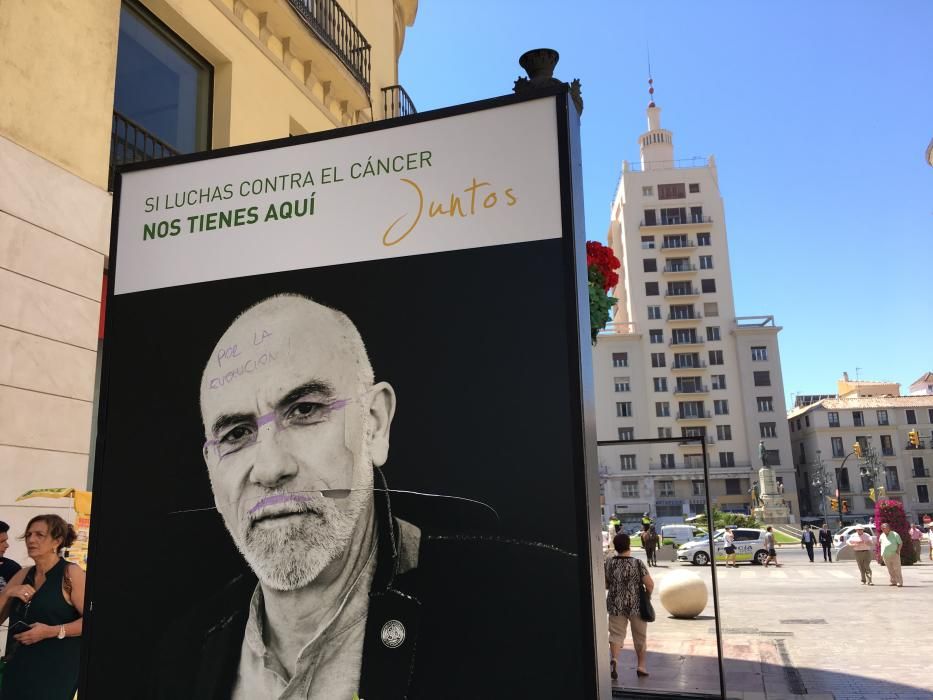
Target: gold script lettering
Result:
[[385, 236]]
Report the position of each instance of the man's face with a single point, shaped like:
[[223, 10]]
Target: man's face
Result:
[[4, 543], [886, 528], [285, 419]]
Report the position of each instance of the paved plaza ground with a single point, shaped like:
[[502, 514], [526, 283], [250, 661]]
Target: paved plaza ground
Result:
[[805, 629]]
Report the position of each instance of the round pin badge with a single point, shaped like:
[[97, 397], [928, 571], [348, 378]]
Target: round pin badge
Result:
[[393, 634]]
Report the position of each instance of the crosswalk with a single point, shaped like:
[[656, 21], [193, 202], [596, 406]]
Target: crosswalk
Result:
[[827, 573]]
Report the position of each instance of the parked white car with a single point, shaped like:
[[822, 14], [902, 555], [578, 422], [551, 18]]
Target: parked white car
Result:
[[839, 539], [680, 534], [749, 546]]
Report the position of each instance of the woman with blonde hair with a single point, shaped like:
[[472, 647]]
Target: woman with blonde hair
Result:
[[45, 606]]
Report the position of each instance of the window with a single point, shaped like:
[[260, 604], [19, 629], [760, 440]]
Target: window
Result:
[[721, 407], [678, 265], [693, 461], [919, 470], [650, 264], [718, 381], [911, 416], [667, 461], [887, 447], [651, 217], [652, 289], [858, 419], [675, 191], [660, 383], [863, 441], [723, 432], [759, 353], [708, 286], [679, 311], [842, 478], [657, 359], [673, 216], [765, 404], [882, 417], [694, 187], [665, 488], [699, 489], [923, 494], [712, 333], [162, 86], [891, 480], [678, 240], [656, 335], [803, 453], [703, 239], [679, 289], [733, 487], [647, 242], [767, 430], [620, 359], [687, 360], [763, 378], [647, 191], [626, 433], [654, 313], [696, 215], [685, 336], [838, 449], [727, 459], [706, 262], [833, 417], [774, 458], [711, 309], [715, 357], [623, 409], [664, 433], [627, 462], [806, 420], [662, 409], [930, 410], [630, 489], [691, 409], [622, 384]]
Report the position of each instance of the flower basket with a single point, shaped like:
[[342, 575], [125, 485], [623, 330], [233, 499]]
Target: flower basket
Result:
[[601, 264]]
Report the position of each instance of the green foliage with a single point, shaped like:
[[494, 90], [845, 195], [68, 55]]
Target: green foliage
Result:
[[600, 302], [721, 519]]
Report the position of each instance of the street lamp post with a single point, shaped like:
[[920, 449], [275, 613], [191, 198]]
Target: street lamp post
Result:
[[870, 467], [822, 481]]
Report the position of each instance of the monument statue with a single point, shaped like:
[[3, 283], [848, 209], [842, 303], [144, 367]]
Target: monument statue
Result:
[[769, 507]]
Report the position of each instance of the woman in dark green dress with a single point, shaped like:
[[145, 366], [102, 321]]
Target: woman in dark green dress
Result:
[[45, 604]]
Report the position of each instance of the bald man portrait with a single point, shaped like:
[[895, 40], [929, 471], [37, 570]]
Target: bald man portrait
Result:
[[344, 598]]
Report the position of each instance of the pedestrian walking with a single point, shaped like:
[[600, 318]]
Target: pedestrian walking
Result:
[[862, 545], [625, 577], [916, 537], [826, 542], [769, 545], [891, 544], [650, 542], [807, 541], [729, 541]]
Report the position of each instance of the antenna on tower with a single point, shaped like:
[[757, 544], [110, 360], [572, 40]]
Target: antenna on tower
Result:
[[650, 78]]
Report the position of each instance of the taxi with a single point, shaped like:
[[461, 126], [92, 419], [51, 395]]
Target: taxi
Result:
[[749, 546]]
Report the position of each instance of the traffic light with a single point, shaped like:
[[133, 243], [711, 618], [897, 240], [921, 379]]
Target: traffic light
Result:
[[845, 506], [857, 449], [914, 437], [833, 504]]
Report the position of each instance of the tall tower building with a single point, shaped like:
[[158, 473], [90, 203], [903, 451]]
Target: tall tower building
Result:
[[676, 361]]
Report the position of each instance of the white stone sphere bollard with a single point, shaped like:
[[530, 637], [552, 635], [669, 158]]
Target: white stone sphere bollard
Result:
[[683, 594]]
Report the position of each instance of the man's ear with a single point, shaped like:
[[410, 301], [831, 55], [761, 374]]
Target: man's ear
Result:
[[381, 413]]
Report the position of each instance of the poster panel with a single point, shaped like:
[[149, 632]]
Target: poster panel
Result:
[[342, 392]]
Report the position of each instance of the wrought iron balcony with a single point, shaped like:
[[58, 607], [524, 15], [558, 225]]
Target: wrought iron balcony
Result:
[[699, 389], [336, 30], [688, 292], [688, 367], [685, 267], [131, 143], [678, 221], [396, 102], [694, 317], [694, 415], [686, 341], [679, 245], [921, 472]]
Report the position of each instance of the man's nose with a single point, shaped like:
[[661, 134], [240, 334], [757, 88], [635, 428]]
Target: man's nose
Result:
[[272, 465]]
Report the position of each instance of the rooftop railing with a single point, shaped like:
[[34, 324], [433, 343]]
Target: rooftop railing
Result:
[[131, 143], [336, 30]]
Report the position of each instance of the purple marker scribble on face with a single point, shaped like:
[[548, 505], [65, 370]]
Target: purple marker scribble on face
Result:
[[277, 499]]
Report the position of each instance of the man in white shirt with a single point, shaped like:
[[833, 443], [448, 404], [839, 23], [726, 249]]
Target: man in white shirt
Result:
[[862, 545]]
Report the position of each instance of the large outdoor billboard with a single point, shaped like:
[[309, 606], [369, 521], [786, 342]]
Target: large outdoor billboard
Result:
[[344, 444]]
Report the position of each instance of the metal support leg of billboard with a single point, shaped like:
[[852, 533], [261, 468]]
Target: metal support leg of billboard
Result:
[[711, 531]]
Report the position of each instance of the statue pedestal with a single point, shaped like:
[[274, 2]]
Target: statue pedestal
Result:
[[772, 511]]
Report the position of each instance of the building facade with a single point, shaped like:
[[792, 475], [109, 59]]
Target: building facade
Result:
[[826, 432], [676, 361], [88, 85]]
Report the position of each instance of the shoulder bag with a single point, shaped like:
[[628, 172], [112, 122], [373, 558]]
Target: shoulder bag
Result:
[[645, 608]]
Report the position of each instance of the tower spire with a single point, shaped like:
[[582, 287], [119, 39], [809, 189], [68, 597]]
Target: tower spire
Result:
[[656, 144], [650, 81]]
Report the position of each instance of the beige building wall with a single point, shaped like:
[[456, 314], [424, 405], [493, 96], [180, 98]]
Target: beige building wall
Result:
[[272, 77], [660, 259]]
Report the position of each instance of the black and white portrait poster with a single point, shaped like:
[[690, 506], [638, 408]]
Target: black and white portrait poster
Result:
[[341, 450]]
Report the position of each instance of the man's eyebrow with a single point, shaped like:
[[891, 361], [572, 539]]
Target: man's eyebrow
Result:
[[315, 386], [228, 419]]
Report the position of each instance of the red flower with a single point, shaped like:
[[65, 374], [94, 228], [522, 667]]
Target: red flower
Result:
[[604, 261]]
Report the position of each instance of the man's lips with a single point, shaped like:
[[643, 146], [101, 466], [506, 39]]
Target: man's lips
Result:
[[279, 505]]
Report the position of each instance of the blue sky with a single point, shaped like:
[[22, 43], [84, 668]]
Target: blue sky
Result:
[[818, 114]]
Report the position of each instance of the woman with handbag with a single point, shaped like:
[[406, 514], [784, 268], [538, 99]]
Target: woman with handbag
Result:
[[45, 605], [629, 587]]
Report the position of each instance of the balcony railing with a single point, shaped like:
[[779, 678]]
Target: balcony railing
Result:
[[686, 341], [921, 473], [694, 317], [694, 390], [698, 415], [668, 245], [696, 365], [336, 30], [692, 292], [678, 221], [687, 267], [131, 143], [396, 102]]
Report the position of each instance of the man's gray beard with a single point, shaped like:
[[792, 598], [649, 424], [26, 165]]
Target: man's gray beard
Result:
[[290, 557]]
